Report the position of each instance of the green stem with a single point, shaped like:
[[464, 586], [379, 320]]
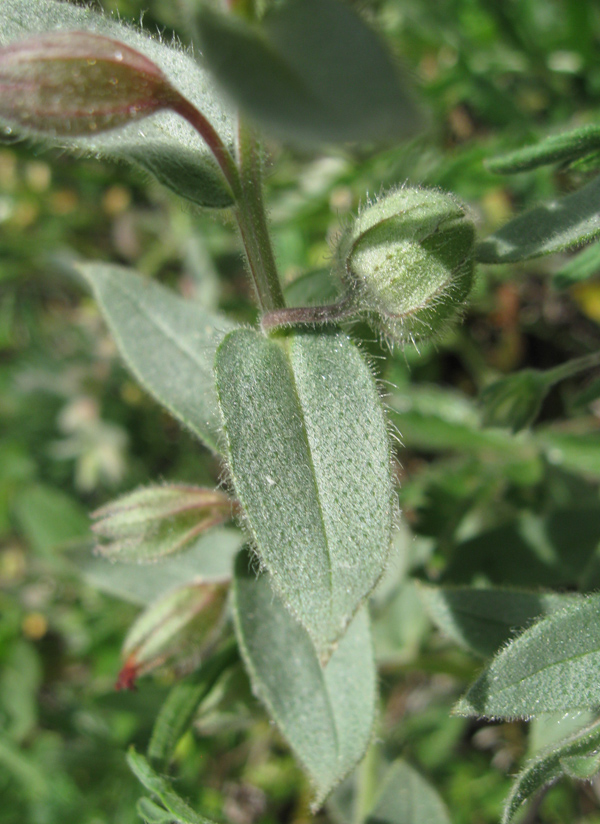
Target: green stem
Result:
[[572, 367], [252, 221]]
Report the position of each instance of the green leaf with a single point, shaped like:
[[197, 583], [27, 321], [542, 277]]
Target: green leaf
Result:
[[561, 224], [582, 266], [553, 666], [407, 798], [559, 148], [151, 813], [182, 703], [578, 753], [48, 518], [483, 619], [309, 458], [168, 343], [514, 401], [210, 557], [312, 72], [161, 788], [164, 145], [325, 713], [574, 448]]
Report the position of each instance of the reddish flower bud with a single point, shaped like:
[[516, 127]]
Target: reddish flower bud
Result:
[[77, 83]]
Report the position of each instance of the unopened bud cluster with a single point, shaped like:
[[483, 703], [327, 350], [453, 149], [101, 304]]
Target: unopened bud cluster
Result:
[[407, 261]]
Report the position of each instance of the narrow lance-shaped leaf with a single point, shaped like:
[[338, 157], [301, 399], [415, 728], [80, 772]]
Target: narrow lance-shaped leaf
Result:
[[325, 713], [567, 757], [181, 812], [177, 712], [483, 619], [407, 798], [168, 343], [561, 224], [309, 458], [311, 72], [164, 145], [558, 148], [580, 267], [552, 667], [155, 521]]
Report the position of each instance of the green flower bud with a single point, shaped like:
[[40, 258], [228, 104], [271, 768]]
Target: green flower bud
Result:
[[155, 521], [408, 263], [76, 83], [182, 624], [514, 402]]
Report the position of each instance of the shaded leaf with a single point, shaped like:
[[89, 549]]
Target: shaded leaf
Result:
[[152, 813], [210, 557], [161, 789], [483, 619], [294, 76], [582, 266], [177, 712], [167, 342], [309, 459], [552, 666], [556, 226], [164, 145], [407, 798], [558, 148], [577, 450], [579, 751], [325, 713]]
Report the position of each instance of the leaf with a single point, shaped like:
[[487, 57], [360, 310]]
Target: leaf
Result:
[[581, 267], [164, 145], [558, 148], [151, 813], [210, 557], [309, 458], [553, 666], [556, 226], [182, 703], [48, 518], [325, 713], [578, 752], [483, 619], [407, 798], [574, 450], [168, 343], [294, 73], [161, 788]]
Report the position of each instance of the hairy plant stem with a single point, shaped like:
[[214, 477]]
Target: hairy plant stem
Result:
[[245, 182], [252, 221], [344, 309], [572, 367]]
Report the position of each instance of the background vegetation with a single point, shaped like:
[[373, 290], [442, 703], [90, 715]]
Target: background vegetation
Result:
[[479, 504]]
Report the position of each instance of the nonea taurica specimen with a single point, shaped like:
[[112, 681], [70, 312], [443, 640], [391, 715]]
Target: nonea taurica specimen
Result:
[[407, 261]]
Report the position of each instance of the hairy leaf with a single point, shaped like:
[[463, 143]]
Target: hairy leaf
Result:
[[583, 266], [161, 789], [309, 459], [312, 72], [483, 619], [555, 226], [164, 145], [558, 148], [407, 798], [182, 703], [576, 756], [168, 343], [552, 666], [326, 713]]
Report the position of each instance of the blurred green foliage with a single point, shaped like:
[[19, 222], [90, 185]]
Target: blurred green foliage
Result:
[[479, 505]]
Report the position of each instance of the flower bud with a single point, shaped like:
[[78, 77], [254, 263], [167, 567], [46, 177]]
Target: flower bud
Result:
[[514, 402], [155, 521], [407, 261], [180, 625], [77, 83]]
